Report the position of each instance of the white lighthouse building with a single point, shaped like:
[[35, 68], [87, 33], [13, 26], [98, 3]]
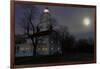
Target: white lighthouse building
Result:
[[46, 44]]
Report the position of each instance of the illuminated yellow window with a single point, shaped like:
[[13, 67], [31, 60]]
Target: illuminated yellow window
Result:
[[45, 49], [22, 49], [27, 49]]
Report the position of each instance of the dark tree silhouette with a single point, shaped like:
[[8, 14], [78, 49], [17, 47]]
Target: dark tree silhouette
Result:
[[84, 46], [19, 39], [67, 40], [27, 24]]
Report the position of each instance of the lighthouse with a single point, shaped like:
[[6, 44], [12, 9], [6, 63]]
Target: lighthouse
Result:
[[46, 45]]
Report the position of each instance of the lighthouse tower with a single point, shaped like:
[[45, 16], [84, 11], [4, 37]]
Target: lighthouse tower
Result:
[[45, 43]]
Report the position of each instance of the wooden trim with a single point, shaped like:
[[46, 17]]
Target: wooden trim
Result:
[[12, 32], [54, 4]]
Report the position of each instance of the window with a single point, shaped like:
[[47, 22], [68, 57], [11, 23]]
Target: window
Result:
[[22, 49], [45, 49], [52, 49]]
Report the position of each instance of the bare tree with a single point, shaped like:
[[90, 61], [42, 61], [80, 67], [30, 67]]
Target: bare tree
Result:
[[28, 26]]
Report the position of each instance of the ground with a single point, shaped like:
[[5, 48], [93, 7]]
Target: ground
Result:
[[71, 57]]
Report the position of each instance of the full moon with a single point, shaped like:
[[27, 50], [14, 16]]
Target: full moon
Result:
[[86, 21]]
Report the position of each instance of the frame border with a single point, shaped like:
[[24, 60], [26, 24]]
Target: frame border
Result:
[[12, 33]]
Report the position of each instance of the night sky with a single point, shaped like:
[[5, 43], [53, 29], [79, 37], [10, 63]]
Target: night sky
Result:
[[70, 17]]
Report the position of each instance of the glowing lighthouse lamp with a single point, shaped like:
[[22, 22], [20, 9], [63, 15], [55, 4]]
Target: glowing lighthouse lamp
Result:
[[46, 10]]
